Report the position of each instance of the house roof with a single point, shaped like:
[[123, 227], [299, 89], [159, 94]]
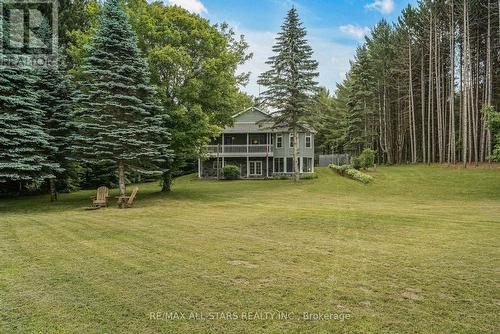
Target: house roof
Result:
[[255, 120], [254, 109]]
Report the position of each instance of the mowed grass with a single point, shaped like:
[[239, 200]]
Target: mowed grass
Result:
[[417, 251]]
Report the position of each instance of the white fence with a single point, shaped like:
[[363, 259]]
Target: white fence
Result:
[[337, 159]]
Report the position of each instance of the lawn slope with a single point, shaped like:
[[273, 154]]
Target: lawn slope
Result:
[[416, 251]]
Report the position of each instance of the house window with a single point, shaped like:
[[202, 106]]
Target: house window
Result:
[[307, 165], [279, 141], [279, 165], [289, 165], [255, 168], [308, 141]]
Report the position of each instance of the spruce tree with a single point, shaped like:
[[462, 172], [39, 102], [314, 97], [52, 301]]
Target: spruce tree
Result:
[[116, 117], [291, 80], [25, 146], [55, 99]]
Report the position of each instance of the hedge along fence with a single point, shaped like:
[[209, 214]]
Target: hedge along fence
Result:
[[349, 171]]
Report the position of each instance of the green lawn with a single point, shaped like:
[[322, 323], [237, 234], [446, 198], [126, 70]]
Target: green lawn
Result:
[[417, 251]]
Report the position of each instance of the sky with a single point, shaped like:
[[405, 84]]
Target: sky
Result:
[[335, 28]]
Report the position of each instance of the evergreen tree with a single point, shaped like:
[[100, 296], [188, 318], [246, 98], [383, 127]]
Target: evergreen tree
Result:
[[53, 88], [493, 123], [55, 99], [354, 121], [328, 115], [425, 80], [291, 79], [359, 114], [117, 119], [24, 145]]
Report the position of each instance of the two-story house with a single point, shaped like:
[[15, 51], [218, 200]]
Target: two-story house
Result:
[[258, 149]]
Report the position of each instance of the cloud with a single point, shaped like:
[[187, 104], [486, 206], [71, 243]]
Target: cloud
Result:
[[193, 6], [260, 44], [333, 57], [355, 30], [383, 6]]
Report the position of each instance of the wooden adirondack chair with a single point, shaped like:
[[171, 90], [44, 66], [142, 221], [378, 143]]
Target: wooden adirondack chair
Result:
[[101, 198], [128, 201]]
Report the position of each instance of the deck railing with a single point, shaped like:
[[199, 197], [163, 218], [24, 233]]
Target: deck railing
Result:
[[240, 149]]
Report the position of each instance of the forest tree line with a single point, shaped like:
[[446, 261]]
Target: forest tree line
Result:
[[135, 82], [419, 90], [145, 86]]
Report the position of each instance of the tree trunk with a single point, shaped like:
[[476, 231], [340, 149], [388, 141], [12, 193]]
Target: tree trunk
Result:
[[53, 191], [296, 168], [451, 139], [439, 111], [489, 89], [430, 141], [167, 177], [465, 105], [413, 134], [20, 188], [121, 178], [167, 182], [387, 142], [422, 97]]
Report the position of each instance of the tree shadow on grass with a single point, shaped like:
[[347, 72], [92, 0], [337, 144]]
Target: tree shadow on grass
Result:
[[187, 188]]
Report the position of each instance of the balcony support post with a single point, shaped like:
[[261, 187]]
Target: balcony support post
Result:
[[223, 151], [267, 156], [218, 161], [248, 167]]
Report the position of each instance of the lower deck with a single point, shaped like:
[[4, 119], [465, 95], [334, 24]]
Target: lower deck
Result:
[[254, 167]]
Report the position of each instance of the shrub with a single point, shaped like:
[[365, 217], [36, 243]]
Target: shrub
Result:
[[281, 176], [340, 169], [309, 176], [349, 171], [231, 172], [336, 168], [365, 160], [357, 163], [358, 176]]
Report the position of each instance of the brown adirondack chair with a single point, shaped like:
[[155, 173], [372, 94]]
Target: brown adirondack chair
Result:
[[101, 198], [128, 201]]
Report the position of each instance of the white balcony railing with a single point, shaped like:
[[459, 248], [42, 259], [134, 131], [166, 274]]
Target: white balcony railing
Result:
[[241, 149]]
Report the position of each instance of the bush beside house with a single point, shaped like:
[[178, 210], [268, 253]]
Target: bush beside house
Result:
[[231, 172]]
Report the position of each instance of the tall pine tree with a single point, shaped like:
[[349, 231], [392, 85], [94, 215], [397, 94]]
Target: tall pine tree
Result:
[[117, 119], [291, 80], [25, 147]]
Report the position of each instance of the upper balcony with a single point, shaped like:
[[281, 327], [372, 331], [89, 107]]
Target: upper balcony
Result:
[[259, 150], [242, 145]]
